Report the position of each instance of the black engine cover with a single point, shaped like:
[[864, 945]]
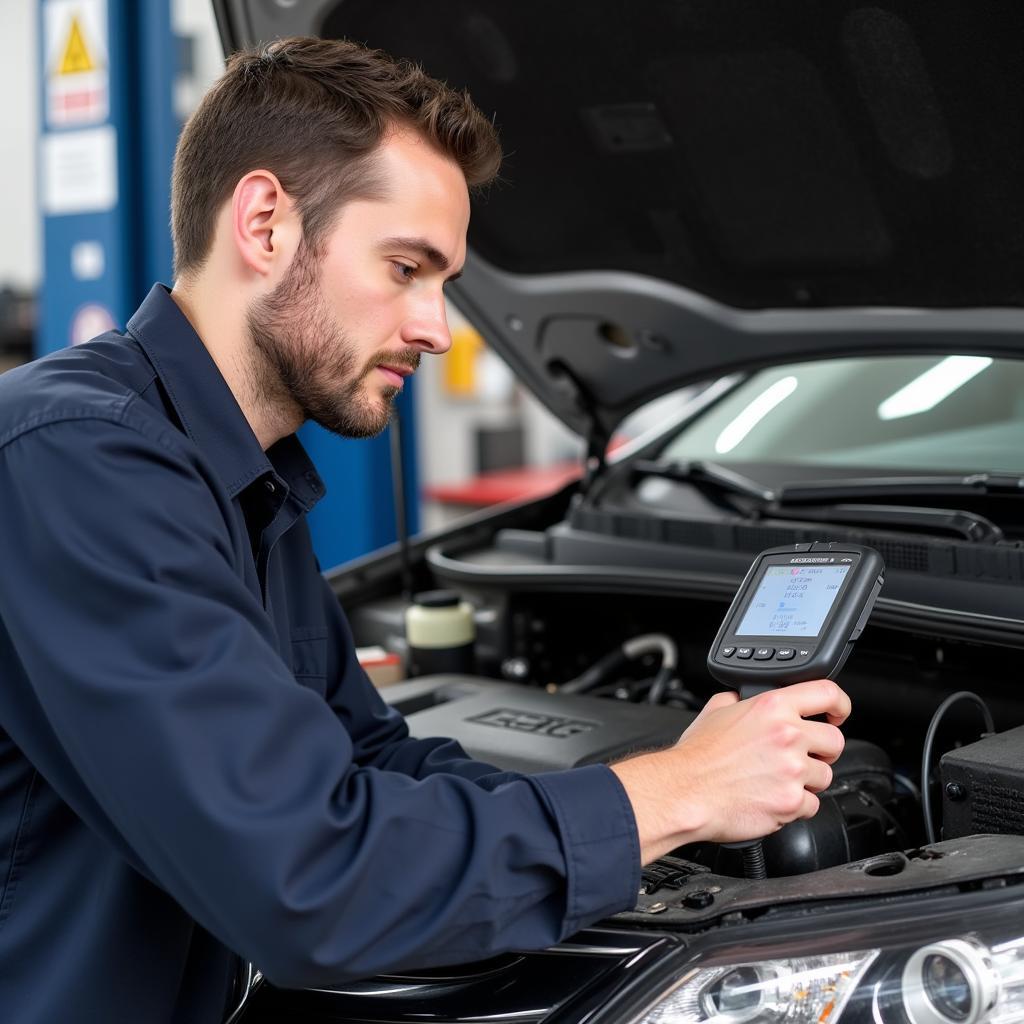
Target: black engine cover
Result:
[[527, 730]]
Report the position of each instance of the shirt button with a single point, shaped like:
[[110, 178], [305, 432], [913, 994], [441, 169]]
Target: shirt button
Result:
[[269, 484]]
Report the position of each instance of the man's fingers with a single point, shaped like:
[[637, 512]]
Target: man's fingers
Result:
[[819, 776], [824, 741], [809, 808], [819, 697]]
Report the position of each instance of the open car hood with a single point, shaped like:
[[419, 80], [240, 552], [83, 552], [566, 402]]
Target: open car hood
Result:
[[694, 187]]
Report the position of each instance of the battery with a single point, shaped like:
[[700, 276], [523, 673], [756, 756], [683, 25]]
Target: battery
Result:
[[983, 786]]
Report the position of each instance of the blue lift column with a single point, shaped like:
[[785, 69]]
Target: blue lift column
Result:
[[92, 184], [105, 152], [357, 514]]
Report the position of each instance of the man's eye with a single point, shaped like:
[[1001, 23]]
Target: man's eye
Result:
[[403, 270]]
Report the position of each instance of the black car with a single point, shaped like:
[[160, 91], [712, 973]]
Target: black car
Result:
[[806, 219]]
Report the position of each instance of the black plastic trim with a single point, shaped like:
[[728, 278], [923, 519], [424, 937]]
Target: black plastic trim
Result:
[[894, 614]]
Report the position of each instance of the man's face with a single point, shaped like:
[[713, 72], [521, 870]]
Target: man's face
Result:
[[337, 336]]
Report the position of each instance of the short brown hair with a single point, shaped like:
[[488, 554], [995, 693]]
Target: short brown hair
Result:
[[313, 111]]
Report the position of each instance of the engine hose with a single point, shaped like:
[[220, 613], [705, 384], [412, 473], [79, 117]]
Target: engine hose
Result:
[[660, 685], [597, 674], [929, 740], [648, 644], [754, 866], [615, 660], [753, 861]]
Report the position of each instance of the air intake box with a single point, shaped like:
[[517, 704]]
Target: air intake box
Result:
[[983, 786]]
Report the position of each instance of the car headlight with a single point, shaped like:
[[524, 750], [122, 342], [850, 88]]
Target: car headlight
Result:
[[801, 990], [960, 977], [951, 982]]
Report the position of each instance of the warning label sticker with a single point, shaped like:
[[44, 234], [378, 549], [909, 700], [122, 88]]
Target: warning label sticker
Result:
[[76, 58], [76, 54]]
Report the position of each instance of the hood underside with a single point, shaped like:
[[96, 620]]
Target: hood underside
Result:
[[694, 187]]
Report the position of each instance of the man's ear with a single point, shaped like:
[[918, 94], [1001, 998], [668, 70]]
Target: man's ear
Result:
[[264, 223]]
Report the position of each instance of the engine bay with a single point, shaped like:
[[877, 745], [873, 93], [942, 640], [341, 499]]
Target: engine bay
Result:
[[570, 672]]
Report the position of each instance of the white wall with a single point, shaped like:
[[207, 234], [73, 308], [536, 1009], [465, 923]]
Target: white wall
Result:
[[20, 254]]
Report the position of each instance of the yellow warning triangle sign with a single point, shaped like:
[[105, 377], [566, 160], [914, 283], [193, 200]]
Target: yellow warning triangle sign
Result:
[[76, 54]]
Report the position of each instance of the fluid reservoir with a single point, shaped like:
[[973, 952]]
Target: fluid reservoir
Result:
[[440, 633]]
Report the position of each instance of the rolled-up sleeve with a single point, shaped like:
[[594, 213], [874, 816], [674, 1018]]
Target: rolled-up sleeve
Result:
[[147, 690]]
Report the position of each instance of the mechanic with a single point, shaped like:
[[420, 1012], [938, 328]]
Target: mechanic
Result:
[[193, 767]]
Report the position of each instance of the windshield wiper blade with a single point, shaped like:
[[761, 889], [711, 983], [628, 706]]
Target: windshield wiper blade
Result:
[[812, 501], [711, 473], [818, 491]]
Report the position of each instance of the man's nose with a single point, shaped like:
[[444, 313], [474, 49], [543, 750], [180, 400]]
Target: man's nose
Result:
[[427, 328]]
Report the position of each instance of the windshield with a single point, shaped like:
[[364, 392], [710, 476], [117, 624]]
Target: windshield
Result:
[[916, 413]]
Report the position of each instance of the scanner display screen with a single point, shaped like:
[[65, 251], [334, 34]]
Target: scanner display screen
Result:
[[792, 600]]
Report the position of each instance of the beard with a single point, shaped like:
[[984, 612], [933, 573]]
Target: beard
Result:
[[303, 358]]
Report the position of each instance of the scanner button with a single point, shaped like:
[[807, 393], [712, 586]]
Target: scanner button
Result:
[[744, 652], [764, 653], [727, 652], [785, 654], [803, 653]]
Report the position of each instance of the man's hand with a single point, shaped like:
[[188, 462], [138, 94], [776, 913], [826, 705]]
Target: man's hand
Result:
[[740, 771]]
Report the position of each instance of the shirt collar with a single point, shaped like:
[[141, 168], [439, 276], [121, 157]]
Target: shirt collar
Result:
[[207, 407]]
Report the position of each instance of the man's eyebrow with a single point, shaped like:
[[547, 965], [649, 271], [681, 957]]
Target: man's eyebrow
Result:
[[429, 252]]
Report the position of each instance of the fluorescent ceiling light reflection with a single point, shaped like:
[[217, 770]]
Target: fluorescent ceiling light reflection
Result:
[[933, 386], [754, 413]]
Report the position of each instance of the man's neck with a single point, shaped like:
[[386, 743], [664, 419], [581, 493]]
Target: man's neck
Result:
[[221, 327]]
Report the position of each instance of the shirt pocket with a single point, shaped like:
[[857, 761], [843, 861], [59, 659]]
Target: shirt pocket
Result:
[[309, 657]]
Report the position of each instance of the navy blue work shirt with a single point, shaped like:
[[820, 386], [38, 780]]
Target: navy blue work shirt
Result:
[[193, 767]]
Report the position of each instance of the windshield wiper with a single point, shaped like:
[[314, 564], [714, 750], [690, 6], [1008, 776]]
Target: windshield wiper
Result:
[[818, 491], [710, 473], [813, 502]]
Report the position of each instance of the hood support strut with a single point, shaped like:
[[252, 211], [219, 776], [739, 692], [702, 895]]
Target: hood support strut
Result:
[[596, 459], [597, 435]]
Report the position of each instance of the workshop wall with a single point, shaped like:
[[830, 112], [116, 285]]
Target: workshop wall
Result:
[[20, 255]]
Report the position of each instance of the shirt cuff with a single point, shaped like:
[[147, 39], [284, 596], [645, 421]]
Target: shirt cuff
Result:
[[599, 840]]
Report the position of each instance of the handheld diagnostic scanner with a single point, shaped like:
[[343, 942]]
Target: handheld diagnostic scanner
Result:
[[796, 615]]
